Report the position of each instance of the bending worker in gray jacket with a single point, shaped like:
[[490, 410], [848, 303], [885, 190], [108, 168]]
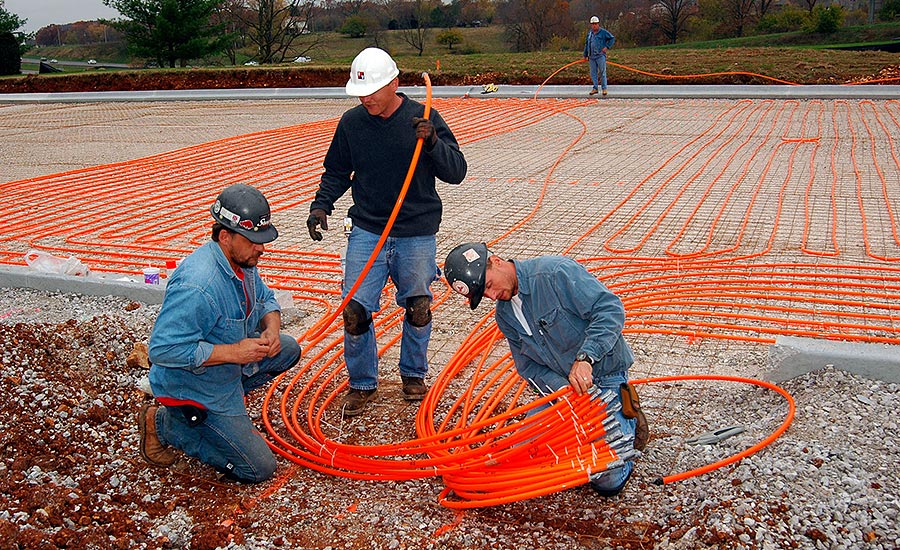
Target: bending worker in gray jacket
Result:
[[564, 327], [370, 154]]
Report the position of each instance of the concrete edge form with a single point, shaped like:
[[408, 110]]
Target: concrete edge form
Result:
[[12, 276], [791, 356], [504, 91]]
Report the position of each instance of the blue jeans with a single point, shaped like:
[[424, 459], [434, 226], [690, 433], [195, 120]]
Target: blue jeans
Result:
[[598, 67], [614, 478], [409, 262], [230, 443]]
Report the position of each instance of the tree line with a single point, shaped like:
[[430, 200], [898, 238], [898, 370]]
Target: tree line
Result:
[[176, 32]]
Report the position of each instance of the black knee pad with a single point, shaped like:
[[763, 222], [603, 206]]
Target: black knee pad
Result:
[[418, 311], [356, 319]]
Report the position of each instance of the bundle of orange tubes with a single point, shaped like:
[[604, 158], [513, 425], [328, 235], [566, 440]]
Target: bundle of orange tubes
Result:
[[487, 449]]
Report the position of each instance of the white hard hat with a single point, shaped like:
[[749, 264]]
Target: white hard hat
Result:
[[595, 19], [371, 70]]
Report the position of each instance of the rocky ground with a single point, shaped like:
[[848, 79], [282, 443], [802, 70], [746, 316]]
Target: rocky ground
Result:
[[71, 477]]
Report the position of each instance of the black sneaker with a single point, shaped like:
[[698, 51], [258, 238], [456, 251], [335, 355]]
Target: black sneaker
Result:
[[414, 389], [355, 401]]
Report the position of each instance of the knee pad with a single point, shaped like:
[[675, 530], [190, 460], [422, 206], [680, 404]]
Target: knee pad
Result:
[[418, 311], [356, 318]]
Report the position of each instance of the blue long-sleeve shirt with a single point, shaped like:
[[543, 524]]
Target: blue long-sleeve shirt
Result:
[[596, 41], [371, 155], [568, 310], [205, 305]]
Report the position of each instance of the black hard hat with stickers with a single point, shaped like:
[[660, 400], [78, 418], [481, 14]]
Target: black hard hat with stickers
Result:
[[465, 270], [243, 209]]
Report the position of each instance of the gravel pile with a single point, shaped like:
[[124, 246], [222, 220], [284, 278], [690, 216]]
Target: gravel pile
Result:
[[70, 476]]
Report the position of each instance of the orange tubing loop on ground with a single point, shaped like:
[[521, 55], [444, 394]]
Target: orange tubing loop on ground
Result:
[[738, 456], [666, 76], [323, 323]]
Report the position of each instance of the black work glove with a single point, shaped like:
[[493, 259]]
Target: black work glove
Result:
[[317, 216], [425, 130]]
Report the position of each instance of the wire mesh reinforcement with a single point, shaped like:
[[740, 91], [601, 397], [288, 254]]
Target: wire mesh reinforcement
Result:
[[720, 224]]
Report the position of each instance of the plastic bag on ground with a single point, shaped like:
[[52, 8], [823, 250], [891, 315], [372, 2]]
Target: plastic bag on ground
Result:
[[44, 262]]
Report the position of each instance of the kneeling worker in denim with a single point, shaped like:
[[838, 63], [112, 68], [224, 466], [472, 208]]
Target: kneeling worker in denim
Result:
[[217, 336], [564, 327]]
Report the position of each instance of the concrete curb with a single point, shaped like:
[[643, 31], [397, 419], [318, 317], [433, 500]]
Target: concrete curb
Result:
[[12, 276], [791, 356]]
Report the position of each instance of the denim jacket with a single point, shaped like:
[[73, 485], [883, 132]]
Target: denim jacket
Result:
[[568, 310], [596, 41], [204, 306]]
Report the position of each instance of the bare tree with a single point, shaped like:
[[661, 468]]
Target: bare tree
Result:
[[672, 17], [762, 7], [414, 25], [274, 26], [530, 24], [740, 13], [233, 14]]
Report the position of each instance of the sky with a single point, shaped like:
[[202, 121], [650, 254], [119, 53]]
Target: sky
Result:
[[41, 13]]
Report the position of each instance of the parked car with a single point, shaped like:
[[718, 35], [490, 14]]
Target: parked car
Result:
[[54, 61], [92, 61], [302, 59], [251, 63]]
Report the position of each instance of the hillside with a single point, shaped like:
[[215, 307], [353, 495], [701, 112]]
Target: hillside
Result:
[[729, 66], [842, 58]]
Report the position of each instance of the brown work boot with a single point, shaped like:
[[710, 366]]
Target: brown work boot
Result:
[[414, 389], [631, 408], [151, 448], [355, 401]]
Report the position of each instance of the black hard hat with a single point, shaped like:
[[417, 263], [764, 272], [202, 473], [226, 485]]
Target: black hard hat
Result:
[[244, 210], [465, 268]]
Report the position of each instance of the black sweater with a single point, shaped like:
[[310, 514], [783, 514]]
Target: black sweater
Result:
[[371, 155]]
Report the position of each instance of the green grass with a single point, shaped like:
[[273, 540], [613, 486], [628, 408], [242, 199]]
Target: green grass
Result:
[[792, 57], [335, 48], [879, 33]]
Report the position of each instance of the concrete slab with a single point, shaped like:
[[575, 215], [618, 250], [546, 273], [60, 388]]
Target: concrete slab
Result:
[[792, 356], [764, 189]]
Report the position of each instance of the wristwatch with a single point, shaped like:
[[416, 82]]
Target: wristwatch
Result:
[[582, 356]]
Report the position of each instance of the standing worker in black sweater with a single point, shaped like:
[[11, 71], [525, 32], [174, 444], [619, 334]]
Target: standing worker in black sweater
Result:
[[370, 154]]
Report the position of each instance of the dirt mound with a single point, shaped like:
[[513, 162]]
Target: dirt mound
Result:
[[175, 80], [227, 79], [311, 77]]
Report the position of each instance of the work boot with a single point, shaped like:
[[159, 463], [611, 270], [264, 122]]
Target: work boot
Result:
[[631, 408], [604, 92], [414, 389], [593, 92], [152, 449], [355, 401]]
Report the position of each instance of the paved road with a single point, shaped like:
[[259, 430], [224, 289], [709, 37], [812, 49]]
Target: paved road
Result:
[[80, 63]]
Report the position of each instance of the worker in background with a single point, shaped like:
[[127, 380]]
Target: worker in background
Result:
[[597, 43], [370, 154], [563, 326], [217, 337]]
